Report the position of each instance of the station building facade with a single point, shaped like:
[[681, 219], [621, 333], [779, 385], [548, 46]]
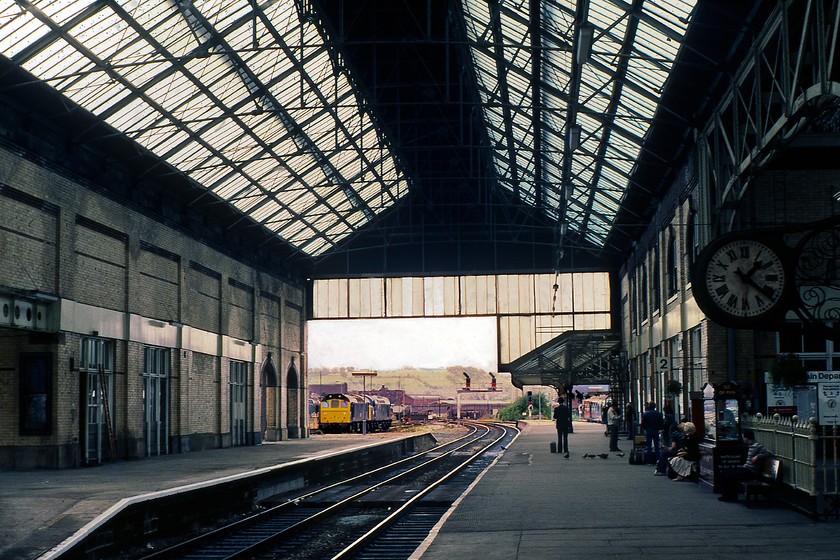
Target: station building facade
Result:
[[122, 336], [668, 337], [763, 161]]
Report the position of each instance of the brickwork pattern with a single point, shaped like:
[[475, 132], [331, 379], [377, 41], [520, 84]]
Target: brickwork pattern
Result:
[[60, 238], [774, 198], [101, 276], [28, 244], [241, 311], [155, 285], [203, 296]]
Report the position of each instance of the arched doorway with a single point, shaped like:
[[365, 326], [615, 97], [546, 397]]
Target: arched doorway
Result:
[[293, 401], [269, 398]]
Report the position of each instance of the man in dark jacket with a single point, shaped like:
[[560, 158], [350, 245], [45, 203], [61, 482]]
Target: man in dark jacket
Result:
[[563, 421], [651, 424]]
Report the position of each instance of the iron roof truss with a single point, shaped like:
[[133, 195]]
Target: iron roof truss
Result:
[[601, 66], [253, 102], [247, 100]]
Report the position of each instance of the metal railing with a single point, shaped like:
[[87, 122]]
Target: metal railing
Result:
[[808, 452]]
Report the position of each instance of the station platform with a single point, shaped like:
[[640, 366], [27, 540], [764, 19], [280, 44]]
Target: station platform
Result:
[[530, 503], [41, 509], [535, 504]]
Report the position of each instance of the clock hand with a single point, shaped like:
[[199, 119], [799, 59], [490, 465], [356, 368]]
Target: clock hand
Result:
[[746, 278], [757, 265]]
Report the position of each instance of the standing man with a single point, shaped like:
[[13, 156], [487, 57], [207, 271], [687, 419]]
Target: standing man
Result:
[[563, 421], [629, 418], [652, 421], [613, 418]]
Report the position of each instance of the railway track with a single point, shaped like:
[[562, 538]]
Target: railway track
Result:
[[383, 513]]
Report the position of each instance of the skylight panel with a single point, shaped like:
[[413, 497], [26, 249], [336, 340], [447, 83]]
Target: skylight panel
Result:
[[61, 10], [56, 60], [653, 44], [190, 155], [478, 13], [669, 13], [223, 13], [268, 208], [134, 117], [18, 28], [619, 160]]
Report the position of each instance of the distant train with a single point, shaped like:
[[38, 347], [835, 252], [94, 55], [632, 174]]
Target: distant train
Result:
[[346, 412], [593, 407]]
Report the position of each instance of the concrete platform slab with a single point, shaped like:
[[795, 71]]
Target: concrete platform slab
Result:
[[533, 503], [39, 509]]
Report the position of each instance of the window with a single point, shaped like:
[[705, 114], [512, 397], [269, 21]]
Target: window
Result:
[[655, 281], [156, 400], [96, 370], [693, 236], [643, 293], [673, 265], [698, 377], [35, 394], [238, 402]]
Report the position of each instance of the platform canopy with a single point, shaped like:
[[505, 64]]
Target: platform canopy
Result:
[[573, 358]]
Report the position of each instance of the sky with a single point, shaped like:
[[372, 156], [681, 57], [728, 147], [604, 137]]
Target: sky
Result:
[[388, 344]]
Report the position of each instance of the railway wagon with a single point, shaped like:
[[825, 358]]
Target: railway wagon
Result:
[[346, 412], [592, 408]]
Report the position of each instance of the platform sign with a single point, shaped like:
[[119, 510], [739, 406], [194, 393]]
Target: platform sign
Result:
[[829, 403], [779, 398], [663, 364]]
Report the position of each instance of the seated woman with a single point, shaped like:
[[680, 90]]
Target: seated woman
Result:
[[685, 463], [666, 453]]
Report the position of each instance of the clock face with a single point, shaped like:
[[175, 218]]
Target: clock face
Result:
[[743, 279]]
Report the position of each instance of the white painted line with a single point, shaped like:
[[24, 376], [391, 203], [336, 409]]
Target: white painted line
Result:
[[105, 516]]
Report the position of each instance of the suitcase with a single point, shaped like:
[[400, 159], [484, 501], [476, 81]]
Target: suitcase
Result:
[[553, 446], [637, 457]]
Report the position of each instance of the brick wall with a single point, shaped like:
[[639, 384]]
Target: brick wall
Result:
[[121, 276], [774, 198]]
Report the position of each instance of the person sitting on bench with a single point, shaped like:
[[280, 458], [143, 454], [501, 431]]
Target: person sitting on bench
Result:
[[684, 464], [750, 470]]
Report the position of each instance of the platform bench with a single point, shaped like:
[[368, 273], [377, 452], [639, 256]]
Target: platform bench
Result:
[[766, 483]]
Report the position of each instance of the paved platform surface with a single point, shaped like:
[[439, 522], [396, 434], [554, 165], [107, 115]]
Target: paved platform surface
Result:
[[534, 504], [41, 508]]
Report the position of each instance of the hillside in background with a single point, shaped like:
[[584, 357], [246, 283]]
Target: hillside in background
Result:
[[415, 382]]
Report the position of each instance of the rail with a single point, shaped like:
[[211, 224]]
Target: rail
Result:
[[809, 460]]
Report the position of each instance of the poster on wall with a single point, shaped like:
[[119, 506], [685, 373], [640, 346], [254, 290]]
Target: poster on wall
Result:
[[779, 398], [829, 403], [805, 401]]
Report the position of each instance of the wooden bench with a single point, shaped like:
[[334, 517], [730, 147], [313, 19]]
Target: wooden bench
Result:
[[767, 482]]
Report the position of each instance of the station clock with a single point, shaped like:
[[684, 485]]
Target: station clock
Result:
[[742, 280]]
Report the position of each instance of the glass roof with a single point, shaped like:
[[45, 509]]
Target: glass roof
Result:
[[611, 95], [248, 102]]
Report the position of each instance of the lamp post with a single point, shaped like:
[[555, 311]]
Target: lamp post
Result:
[[364, 375]]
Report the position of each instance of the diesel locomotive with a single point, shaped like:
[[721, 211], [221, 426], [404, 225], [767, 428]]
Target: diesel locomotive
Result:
[[346, 412]]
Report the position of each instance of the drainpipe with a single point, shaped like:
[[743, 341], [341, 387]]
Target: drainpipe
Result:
[[730, 358]]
